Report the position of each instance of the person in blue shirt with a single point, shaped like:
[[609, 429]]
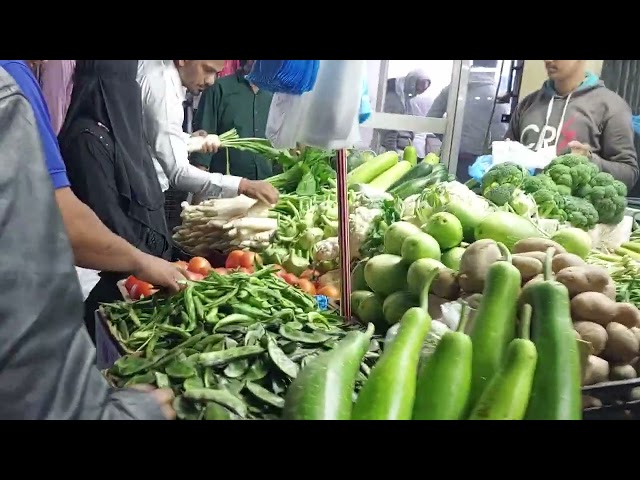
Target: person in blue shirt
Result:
[[94, 245]]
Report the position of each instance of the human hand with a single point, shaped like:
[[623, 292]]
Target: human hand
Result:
[[159, 273], [163, 396], [260, 190], [579, 148], [211, 143]]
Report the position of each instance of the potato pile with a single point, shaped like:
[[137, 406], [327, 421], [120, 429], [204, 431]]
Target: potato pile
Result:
[[611, 329]]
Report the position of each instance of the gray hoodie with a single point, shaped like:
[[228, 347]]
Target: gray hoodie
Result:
[[399, 101], [481, 92], [592, 114]]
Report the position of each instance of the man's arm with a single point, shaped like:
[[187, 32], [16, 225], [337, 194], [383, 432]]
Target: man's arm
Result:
[[207, 119], [617, 153], [163, 117]]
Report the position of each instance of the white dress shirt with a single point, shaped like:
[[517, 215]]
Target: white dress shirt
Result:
[[163, 96]]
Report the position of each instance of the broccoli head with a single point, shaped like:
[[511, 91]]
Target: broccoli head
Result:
[[539, 182], [504, 173], [570, 160], [550, 204], [580, 213], [572, 173], [608, 196], [500, 194], [561, 176]]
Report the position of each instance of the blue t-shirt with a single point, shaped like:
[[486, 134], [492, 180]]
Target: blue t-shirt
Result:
[[27, 82]]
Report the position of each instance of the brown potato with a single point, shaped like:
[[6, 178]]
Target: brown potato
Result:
[[446, 285], [475, 262], [622, 372], [610, 290], [586, 278], [597, 371], [593, 333], [628, 315], [597, 307], [528, 267], [591, 402], [636, 332], [622, 345], [565, 260], [540, 256], [537, 245], [578, 337]]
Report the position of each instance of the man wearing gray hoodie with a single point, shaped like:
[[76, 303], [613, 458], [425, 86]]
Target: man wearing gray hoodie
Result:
[[575, 112]]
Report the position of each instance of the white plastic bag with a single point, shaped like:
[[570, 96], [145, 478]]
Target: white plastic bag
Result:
[[327, 117], [515, 152]]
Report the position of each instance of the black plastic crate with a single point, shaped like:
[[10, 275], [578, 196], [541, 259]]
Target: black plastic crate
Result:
[[617, 403], [172, 207]]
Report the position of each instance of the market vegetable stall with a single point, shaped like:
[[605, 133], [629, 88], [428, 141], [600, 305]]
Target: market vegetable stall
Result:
[[518, 275]]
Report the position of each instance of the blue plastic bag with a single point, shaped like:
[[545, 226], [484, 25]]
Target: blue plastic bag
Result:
[[365, 103], [482, 165], [635, 120], [323, 302]]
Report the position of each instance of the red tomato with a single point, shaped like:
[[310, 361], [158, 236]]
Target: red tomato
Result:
[[247, 260], [234, 260], [133, 293], [131, 281], [306, 286], [290, 278], [199, 265], [330, 291], [221, 271], [145, 289], [194, 277], [181, 264], [310, 274], [278, 270]]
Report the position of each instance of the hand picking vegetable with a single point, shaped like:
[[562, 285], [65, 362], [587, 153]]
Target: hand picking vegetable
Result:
[[494, 323], [555, 394], [444, 381], [323, 390], [390, 391], [507, 394]]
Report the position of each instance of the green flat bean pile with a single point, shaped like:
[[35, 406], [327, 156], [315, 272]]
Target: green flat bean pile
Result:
[[229, 346]]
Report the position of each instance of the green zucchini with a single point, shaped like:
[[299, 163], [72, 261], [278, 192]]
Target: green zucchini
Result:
[[417, 185], [372, 168], [420, 170]]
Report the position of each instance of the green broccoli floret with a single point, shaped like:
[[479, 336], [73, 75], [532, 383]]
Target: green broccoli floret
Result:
[[500, 194], [539, 182], [572, 173], [608, 196], [561, 176], [550, 204], [504, 173], [580, 213]]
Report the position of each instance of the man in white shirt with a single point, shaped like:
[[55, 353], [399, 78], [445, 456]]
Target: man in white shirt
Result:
[[164, 84]]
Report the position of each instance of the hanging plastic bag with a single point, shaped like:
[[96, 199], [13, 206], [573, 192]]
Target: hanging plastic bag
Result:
[[333, 105], [365, 102], [328, 116]]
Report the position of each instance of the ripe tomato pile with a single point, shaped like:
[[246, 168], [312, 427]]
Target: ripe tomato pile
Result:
[[239, 260]]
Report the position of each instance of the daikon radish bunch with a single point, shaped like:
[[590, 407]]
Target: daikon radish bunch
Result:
[[224, 224]]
